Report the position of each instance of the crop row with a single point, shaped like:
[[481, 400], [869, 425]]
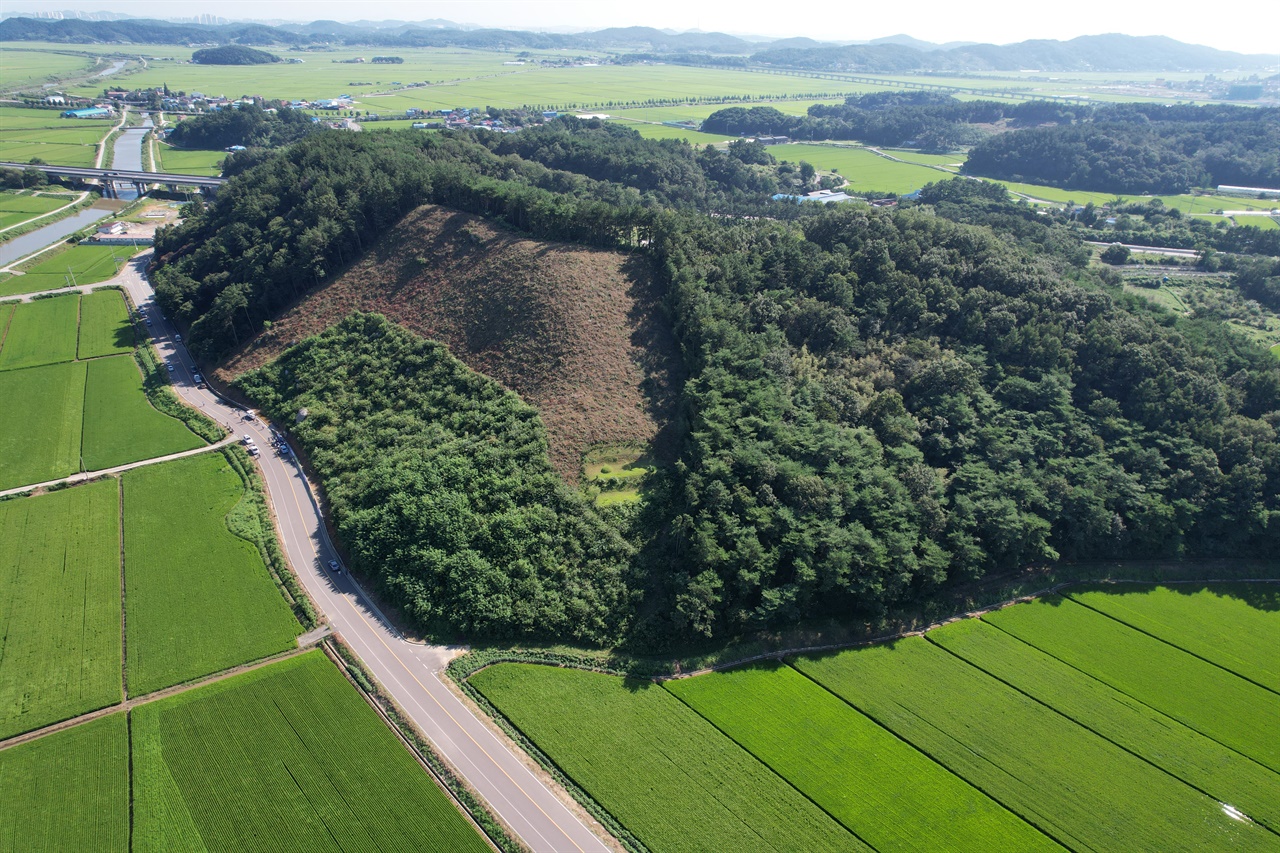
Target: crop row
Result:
[[1207, 698], [662, 770]]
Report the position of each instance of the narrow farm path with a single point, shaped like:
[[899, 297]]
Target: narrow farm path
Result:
[[134, 701], [90, 475]]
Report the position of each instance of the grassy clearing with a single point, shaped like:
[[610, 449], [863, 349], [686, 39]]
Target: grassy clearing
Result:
[[41, 332], [1210, 700], [190, 162], [197, 598], [663, 771], [68, 791], [86, 264], [884, 790], [15, 209], [105, 328], [289, 753], [863, 170], [1082, 790], [1201, 762], [40, 423], [120, 425], [1236, 626], [617, 472], [59, 606]]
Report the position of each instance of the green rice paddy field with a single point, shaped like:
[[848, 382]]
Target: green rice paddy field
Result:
[[27, 133], [81, 264], [198, 598], [285, 758], [290, 753], [66, 416], [68, 791], [59, 606], [16, 209], [180, 161], [1142, 718], [661, 769]]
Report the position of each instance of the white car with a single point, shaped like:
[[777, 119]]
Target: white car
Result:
[[169, 367], [177, 337]]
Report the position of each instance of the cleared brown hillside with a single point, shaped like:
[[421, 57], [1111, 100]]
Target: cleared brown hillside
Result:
[[575, 331]]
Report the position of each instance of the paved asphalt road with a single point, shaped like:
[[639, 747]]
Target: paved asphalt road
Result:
[[408, 671]]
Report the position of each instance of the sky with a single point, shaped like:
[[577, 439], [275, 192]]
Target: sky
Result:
[[1248, 26]]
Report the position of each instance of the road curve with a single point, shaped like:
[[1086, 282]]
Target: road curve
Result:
[[409, 672]]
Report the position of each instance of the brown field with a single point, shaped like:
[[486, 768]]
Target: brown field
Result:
[[576, 332]]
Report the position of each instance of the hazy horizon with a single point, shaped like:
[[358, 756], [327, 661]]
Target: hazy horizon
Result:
[[994, 21]]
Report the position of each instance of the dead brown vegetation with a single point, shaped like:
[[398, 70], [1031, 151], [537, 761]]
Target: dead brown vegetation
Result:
[[577, 332]]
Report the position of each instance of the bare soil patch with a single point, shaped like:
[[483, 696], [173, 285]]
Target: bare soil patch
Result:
[[577, 332]]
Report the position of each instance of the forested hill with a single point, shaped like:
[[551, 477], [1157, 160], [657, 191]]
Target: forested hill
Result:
[[876, 404], [1111, 52], [1140, 148], [233, 54]]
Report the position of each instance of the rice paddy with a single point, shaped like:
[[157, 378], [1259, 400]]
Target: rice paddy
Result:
[[198, 599], [288, 756], [59, 606], [1036, 727], [68, 791], [63, 416], [662, 770]]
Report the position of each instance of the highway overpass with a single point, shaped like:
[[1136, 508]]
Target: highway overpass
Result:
[[113, 176]]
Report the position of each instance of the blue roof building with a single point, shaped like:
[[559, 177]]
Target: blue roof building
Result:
[[87, 112]]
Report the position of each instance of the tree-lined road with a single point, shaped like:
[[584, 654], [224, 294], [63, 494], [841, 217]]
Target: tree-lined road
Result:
[[409, 672]]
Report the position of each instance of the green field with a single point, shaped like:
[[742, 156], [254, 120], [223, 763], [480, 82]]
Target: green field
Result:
[[62, 417], [59, 606], [1080, 789], [1266, 223], [40, 423], [190, 162], [1195, 759], [286, 758], [105, 328], [1214, 702], [666, 773], [889, 794], [947, 161], [198, 599], [863, 170], [16, 209], [68, 791], [662, 131], [1236, 626], [120, 424], [41, 332], [25, 67], [86, 264]]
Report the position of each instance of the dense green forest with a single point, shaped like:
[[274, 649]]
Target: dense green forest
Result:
[[250, 125], [441, 488], [877, 403], [927, 120], [1141, 148], [233, 54]]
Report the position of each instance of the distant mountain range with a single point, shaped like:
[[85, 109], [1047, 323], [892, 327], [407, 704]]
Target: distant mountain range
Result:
[[898, 53]]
